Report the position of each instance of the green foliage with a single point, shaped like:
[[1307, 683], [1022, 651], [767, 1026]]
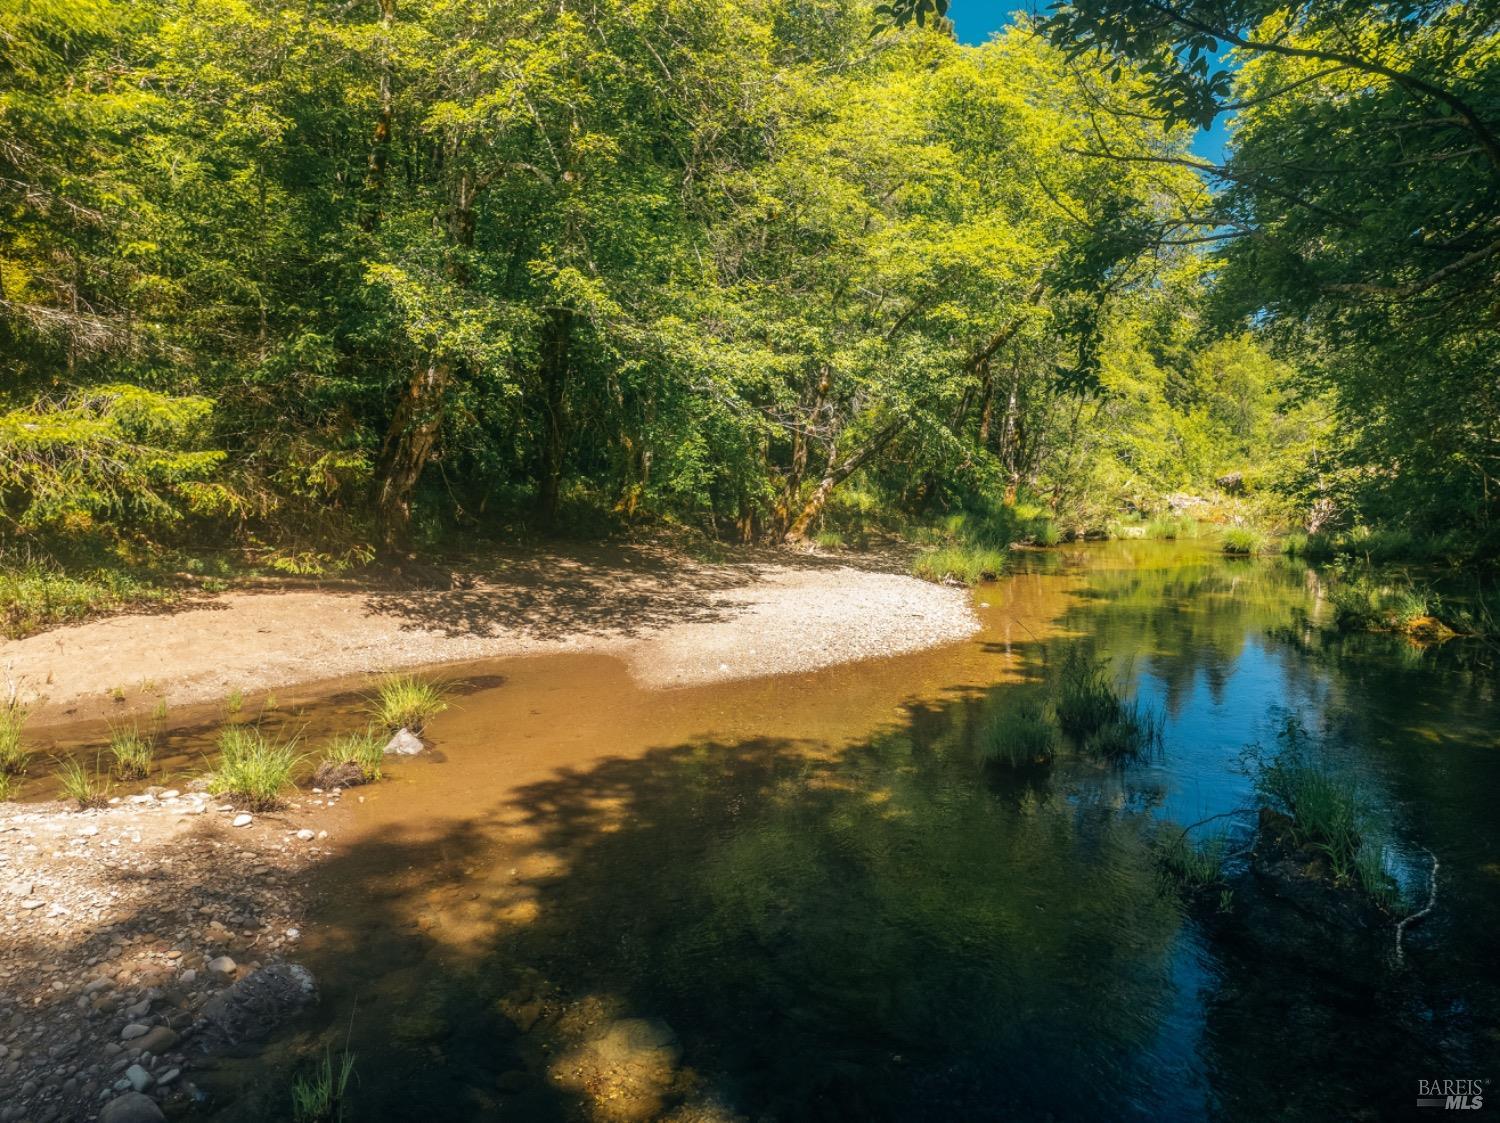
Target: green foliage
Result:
[[1194, 865], [132, 750], [88, 788], [322, 1096], [966, 565], [1022, 733], [405, 701], [253, 768], [365, 749], [34, 597], [14, 755], [1363, 603]]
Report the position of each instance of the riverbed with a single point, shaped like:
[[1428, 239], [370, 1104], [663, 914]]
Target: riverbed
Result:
[[801, 897]]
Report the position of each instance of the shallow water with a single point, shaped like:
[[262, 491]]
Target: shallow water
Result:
[[841, 915]]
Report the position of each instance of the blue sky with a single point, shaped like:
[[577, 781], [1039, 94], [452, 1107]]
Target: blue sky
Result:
[[976, 20]]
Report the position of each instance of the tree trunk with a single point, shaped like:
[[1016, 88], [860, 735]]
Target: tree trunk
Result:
[[408, 446], [380, 140], [837, 472], [553, 374], [791, 492]]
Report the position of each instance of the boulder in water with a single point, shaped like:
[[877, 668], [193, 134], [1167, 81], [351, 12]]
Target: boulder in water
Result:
[[254, 1006], [404, 743]]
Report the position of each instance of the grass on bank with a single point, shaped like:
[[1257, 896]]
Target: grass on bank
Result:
[[35, 597], [320, 1097], [9, 786], [1244, 540], [88, 788], [1021, 734], [1364, 604], [254, 769], [1169, 528], [408, 702], [967, 565], [14, 755], [132, 751], [366, 751]]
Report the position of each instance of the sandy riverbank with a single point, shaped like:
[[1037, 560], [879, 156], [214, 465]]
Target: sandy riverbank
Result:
[[676, 622]]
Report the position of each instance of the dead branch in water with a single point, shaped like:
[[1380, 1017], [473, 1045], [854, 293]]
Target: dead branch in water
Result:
[[1431, 904]]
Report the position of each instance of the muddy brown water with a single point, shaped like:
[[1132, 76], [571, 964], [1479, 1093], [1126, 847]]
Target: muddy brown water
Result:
[[840, 915]]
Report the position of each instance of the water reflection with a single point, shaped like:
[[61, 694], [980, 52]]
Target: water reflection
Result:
[[880, 929]]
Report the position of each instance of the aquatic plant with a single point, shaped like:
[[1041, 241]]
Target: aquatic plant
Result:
[[132, 750], [1364, 604], [253, 769], [967, 565], [14, 755], [320, 1097], [1086, 699], [90, 789], [407, 701], [1134, 731], [1243, 540], [1023, 733], [1192, 865], [364, 750]]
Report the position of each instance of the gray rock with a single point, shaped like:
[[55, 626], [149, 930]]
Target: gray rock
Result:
[[222, 965], [254, 1006], [134, 1030], [158, 1041], [243, 819], [132, 1107], [139, 1078], [404, 743]]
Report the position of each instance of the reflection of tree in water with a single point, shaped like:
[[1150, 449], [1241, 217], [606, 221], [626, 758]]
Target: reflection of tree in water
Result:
[[874, 937]]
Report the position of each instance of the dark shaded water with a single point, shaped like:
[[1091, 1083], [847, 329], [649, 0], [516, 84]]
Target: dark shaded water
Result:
[[843, 916]]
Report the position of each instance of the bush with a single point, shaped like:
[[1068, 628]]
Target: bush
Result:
[[1243, 540], [407, 702], [1020, 734], [253, 769], [967, 565], [366, 751], [90, 789], [133, 752], [14, 755]]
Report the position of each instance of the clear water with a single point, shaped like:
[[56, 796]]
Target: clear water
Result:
[[843, 916]]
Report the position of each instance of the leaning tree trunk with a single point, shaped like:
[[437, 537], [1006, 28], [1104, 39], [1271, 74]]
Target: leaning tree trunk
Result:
[[837, 472]]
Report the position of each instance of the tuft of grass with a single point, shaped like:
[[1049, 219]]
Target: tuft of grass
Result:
[[1021, 734], [829, 540], [36, 597], [132, 750], [1194, 866], [365, 750], [235, 702], [1362, 604], [407, 702], [9, 786], [1133, 732], [14, 755], [320, 1097], [90, 789], [1172, 527], [1086, 699], [253, 769], [1243, 540], [967, 565]]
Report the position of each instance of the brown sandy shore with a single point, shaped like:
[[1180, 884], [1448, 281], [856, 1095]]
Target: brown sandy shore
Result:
[[676, 622], [113, 922]]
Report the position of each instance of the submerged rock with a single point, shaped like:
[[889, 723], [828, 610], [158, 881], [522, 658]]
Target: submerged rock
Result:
[[254, 1006], [132, 1107], [404, 743], [626, 1069], [345, 775]]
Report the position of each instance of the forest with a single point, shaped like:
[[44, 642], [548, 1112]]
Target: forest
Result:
[[298, 287]]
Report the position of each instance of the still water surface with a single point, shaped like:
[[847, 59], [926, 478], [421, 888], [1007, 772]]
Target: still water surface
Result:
[[841, 915]]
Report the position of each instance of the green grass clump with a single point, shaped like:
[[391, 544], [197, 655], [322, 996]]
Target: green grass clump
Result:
[[253, 769], [1133, 732], [36, 597], [829, 540], [1243, 540], [132, 750], [9, 786], [364, 750], [407, 702], [1172, 527], [967, 565], [1021, 734], [1194, 866], [14, 755], [90, 789], [1362, 604], [1086, 699], [320, 1098]]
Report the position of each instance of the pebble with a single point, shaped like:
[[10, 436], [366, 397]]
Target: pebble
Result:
[[139, 1078], [134, 1030], [222, 965], [306, 835], [32, 904], [243, 820]]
